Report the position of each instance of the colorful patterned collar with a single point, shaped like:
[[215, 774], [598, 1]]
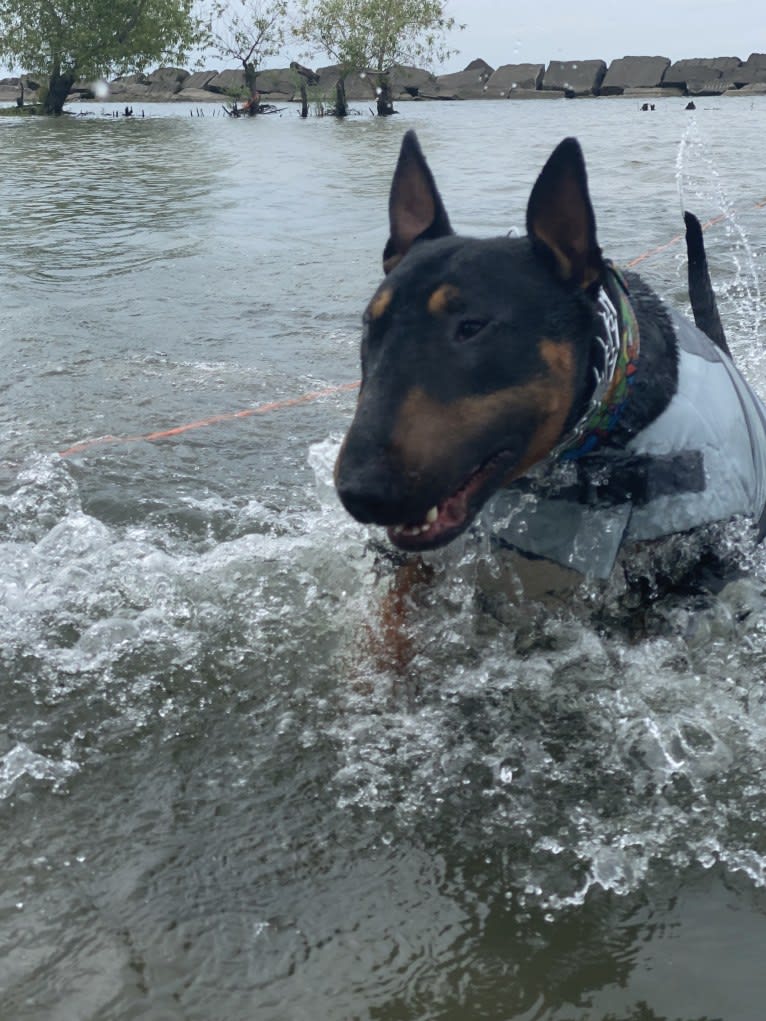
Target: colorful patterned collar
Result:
[[616, 351]]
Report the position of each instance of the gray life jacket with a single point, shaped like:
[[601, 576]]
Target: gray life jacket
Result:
[[702, 460]]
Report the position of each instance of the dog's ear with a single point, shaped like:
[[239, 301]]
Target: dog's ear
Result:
[[415, 207], [560, 216]]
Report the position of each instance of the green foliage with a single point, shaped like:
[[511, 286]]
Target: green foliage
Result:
[[94, 38], [249, 31], [373, 35]]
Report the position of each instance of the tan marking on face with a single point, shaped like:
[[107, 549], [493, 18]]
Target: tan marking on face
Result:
[[380, 303], [428, 432], [442, 299], [560, 361]]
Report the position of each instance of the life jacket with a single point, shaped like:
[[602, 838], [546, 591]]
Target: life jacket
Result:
[[703, 459]]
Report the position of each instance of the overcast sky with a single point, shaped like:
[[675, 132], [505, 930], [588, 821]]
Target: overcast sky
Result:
[[516, 31]]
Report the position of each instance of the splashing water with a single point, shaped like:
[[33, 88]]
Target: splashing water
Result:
[[587, 758], [702, 191]]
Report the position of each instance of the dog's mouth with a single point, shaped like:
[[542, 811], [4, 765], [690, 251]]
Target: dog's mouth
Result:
[[447, 519]]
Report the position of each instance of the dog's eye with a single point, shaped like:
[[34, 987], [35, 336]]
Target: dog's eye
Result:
[[469, 328]]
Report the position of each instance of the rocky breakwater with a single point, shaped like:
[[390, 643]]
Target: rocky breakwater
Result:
[[626, 76]]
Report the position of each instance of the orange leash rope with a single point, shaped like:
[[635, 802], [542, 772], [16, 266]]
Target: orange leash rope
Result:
[[313, 395], [230, 416]]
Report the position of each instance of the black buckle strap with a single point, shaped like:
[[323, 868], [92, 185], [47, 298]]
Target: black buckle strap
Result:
[[638, 478]]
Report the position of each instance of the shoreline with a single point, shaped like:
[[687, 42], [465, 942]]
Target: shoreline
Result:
[[633, 77]]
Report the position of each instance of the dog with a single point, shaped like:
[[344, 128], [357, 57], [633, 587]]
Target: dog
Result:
[[529, 381]]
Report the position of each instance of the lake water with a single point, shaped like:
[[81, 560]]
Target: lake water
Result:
[[217, 801]]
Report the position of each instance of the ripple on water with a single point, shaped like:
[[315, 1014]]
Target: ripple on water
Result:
[[582, 747], [589, 752]]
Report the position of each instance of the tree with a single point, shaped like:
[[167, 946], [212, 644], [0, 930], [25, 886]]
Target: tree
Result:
[[68, 40], [371, 36], [249, 31]]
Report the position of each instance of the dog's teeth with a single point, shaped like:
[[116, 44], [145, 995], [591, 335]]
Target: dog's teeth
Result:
[[397, 530], [432, 515]]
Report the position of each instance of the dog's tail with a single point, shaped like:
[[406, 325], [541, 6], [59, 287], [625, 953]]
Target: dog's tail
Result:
[[701, 292]]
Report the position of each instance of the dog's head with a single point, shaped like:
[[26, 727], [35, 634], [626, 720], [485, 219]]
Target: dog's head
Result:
[[475, 353]]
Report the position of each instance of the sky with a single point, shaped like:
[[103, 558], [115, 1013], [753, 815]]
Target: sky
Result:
[[516, 31]]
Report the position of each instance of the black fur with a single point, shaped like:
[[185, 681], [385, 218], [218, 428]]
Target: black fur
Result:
[[477, 355], [701, 293]]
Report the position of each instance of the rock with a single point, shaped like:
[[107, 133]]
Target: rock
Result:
[[633, 73], [537, 94], [227, 82], [575, 77], [434, 91], [653, 93], [752, 72], [513, 78], [280, 84], [407, 81], [10, 89], [357, 87], [639, 77], [159, 86], [129, 87], [712, 87], [463, 84], [166, 80], [81, 90], [479, 65], [196, 96], [699, 70], [756, 89], [197, 81]]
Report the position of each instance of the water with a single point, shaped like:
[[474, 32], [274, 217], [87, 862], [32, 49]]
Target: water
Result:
[[219, 798]]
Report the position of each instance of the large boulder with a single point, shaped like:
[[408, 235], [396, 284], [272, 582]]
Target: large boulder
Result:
[[81, 90], [537, 94], [708, 87], [197, 81], [407, 81], [227, 83], [10, 89], [166, 81], [468, 84], [196, 96], [696, 73], [633, 73], [510, 79], [756, 89], [358, 87], [575, 77], [278, 84], [752, 72], [479, 64], [645, 93], [129, 88]]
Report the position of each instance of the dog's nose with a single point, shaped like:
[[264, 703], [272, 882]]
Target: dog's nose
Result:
[[368, 499], [368, 484]]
